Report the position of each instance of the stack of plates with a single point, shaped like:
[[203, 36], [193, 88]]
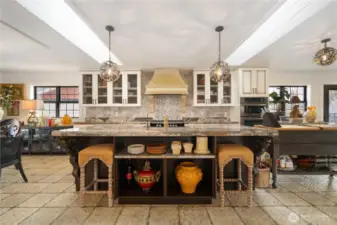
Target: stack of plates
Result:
[[156, 149], [136, 149]]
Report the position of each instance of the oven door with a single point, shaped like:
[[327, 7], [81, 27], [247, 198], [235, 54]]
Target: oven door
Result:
[[251, 121]]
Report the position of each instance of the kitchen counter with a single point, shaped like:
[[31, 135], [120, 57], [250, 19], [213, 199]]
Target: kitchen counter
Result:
[[140, 130]]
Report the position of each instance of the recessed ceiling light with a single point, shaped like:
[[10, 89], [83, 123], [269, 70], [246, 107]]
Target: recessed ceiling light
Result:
[[61, 17], [286, 18]]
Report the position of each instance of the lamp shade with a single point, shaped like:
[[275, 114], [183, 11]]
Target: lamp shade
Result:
[[33, 105]]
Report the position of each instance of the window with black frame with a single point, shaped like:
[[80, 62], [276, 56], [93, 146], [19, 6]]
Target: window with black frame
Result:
[[58, 100], [300, 91]]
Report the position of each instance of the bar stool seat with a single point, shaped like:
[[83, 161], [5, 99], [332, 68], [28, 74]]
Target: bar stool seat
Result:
[[228, 152], [103, 152]]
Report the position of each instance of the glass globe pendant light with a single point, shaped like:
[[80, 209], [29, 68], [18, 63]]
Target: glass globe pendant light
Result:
[[327, 55], [220, 70], [109, 70]]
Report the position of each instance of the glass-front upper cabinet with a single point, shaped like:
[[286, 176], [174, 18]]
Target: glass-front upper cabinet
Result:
[[210, 93], [102, 91], [226, 91], [87, 89], [132, 90], [117, 91], [200, 88], [124, 91], [213, 90]]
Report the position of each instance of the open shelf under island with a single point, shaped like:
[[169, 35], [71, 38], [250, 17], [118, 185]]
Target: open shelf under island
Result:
[[167, 190]]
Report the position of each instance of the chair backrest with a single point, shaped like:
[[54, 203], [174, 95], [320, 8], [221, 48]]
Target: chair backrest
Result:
[[10, 142], [10, 128]]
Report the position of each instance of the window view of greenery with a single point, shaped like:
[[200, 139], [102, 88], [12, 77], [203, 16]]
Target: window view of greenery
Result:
[[58, 100], [299, 91]]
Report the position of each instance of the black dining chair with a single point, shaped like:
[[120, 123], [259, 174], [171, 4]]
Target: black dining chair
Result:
[[11, 141]]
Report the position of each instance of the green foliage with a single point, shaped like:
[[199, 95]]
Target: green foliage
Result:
[[282, 98]]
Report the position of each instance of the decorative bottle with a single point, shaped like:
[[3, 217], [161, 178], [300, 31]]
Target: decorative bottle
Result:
[[129, 173]]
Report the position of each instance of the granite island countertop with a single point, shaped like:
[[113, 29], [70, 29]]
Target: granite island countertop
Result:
[[140, 130]]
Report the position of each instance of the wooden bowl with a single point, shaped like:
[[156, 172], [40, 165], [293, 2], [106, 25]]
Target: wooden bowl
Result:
[[156, 149]]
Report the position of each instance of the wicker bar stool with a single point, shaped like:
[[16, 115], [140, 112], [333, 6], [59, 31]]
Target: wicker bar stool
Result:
[[103, 152], [228, 152]]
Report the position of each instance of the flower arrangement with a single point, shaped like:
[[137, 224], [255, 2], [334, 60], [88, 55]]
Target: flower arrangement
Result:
[[7, 96]]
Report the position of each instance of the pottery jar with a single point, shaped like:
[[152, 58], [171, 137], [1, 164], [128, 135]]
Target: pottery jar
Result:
[[146, 177], [188, 175]]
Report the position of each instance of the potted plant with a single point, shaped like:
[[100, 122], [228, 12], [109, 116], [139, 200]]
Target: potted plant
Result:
[[280, 100], [7, 94]]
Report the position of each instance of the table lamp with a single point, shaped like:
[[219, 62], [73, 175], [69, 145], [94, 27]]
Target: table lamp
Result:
[[32, 106]]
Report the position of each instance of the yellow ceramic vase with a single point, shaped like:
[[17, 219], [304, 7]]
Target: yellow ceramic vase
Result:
[[66, 120], [188, 175]]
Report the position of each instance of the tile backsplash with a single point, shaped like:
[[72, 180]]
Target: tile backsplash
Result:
[[164, 104], [167, 105]]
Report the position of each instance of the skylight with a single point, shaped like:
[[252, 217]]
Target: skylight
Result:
[[286, 18], [61, 17]]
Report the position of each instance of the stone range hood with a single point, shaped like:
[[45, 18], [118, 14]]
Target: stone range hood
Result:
[[166, 82]]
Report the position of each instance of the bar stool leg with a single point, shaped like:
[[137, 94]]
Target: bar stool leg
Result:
[[82, 185], [95, 173], [250, 186], [239, 175], [110, 196], [222, 189]]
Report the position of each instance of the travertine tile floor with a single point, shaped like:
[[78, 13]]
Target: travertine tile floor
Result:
[[50, 198]]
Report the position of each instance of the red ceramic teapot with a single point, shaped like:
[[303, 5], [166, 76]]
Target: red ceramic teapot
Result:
[[147, 177]]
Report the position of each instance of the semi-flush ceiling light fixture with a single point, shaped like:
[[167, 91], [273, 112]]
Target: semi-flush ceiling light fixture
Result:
[[288, 16], [109, 70], [327, 55], [70, 26], [220, 70]]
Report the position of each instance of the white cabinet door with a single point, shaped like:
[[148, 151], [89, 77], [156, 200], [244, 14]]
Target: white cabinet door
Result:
[[100, 90], [247, 82], [131, 88], [226, 92], [118, 94], [87, 91], [253, 82], [200, 84], [213, 91], [261, 82]]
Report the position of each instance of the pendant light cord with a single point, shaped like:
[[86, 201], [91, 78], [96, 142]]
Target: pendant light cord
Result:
[[109, 45], [219, 45]]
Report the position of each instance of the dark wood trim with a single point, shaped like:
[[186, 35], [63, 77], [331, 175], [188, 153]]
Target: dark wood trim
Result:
[[164, 176], [326, 90], [166, 200]]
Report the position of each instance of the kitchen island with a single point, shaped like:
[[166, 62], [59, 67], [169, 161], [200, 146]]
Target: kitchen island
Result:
[[167, 190]]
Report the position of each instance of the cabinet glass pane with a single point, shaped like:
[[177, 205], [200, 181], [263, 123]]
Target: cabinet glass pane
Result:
[[213, 92], [132, 88], [117, 91], [102, 91], [87, 88], [226, 95], [201, 89]]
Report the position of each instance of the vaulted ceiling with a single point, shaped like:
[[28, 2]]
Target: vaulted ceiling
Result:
[[151, 34]]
